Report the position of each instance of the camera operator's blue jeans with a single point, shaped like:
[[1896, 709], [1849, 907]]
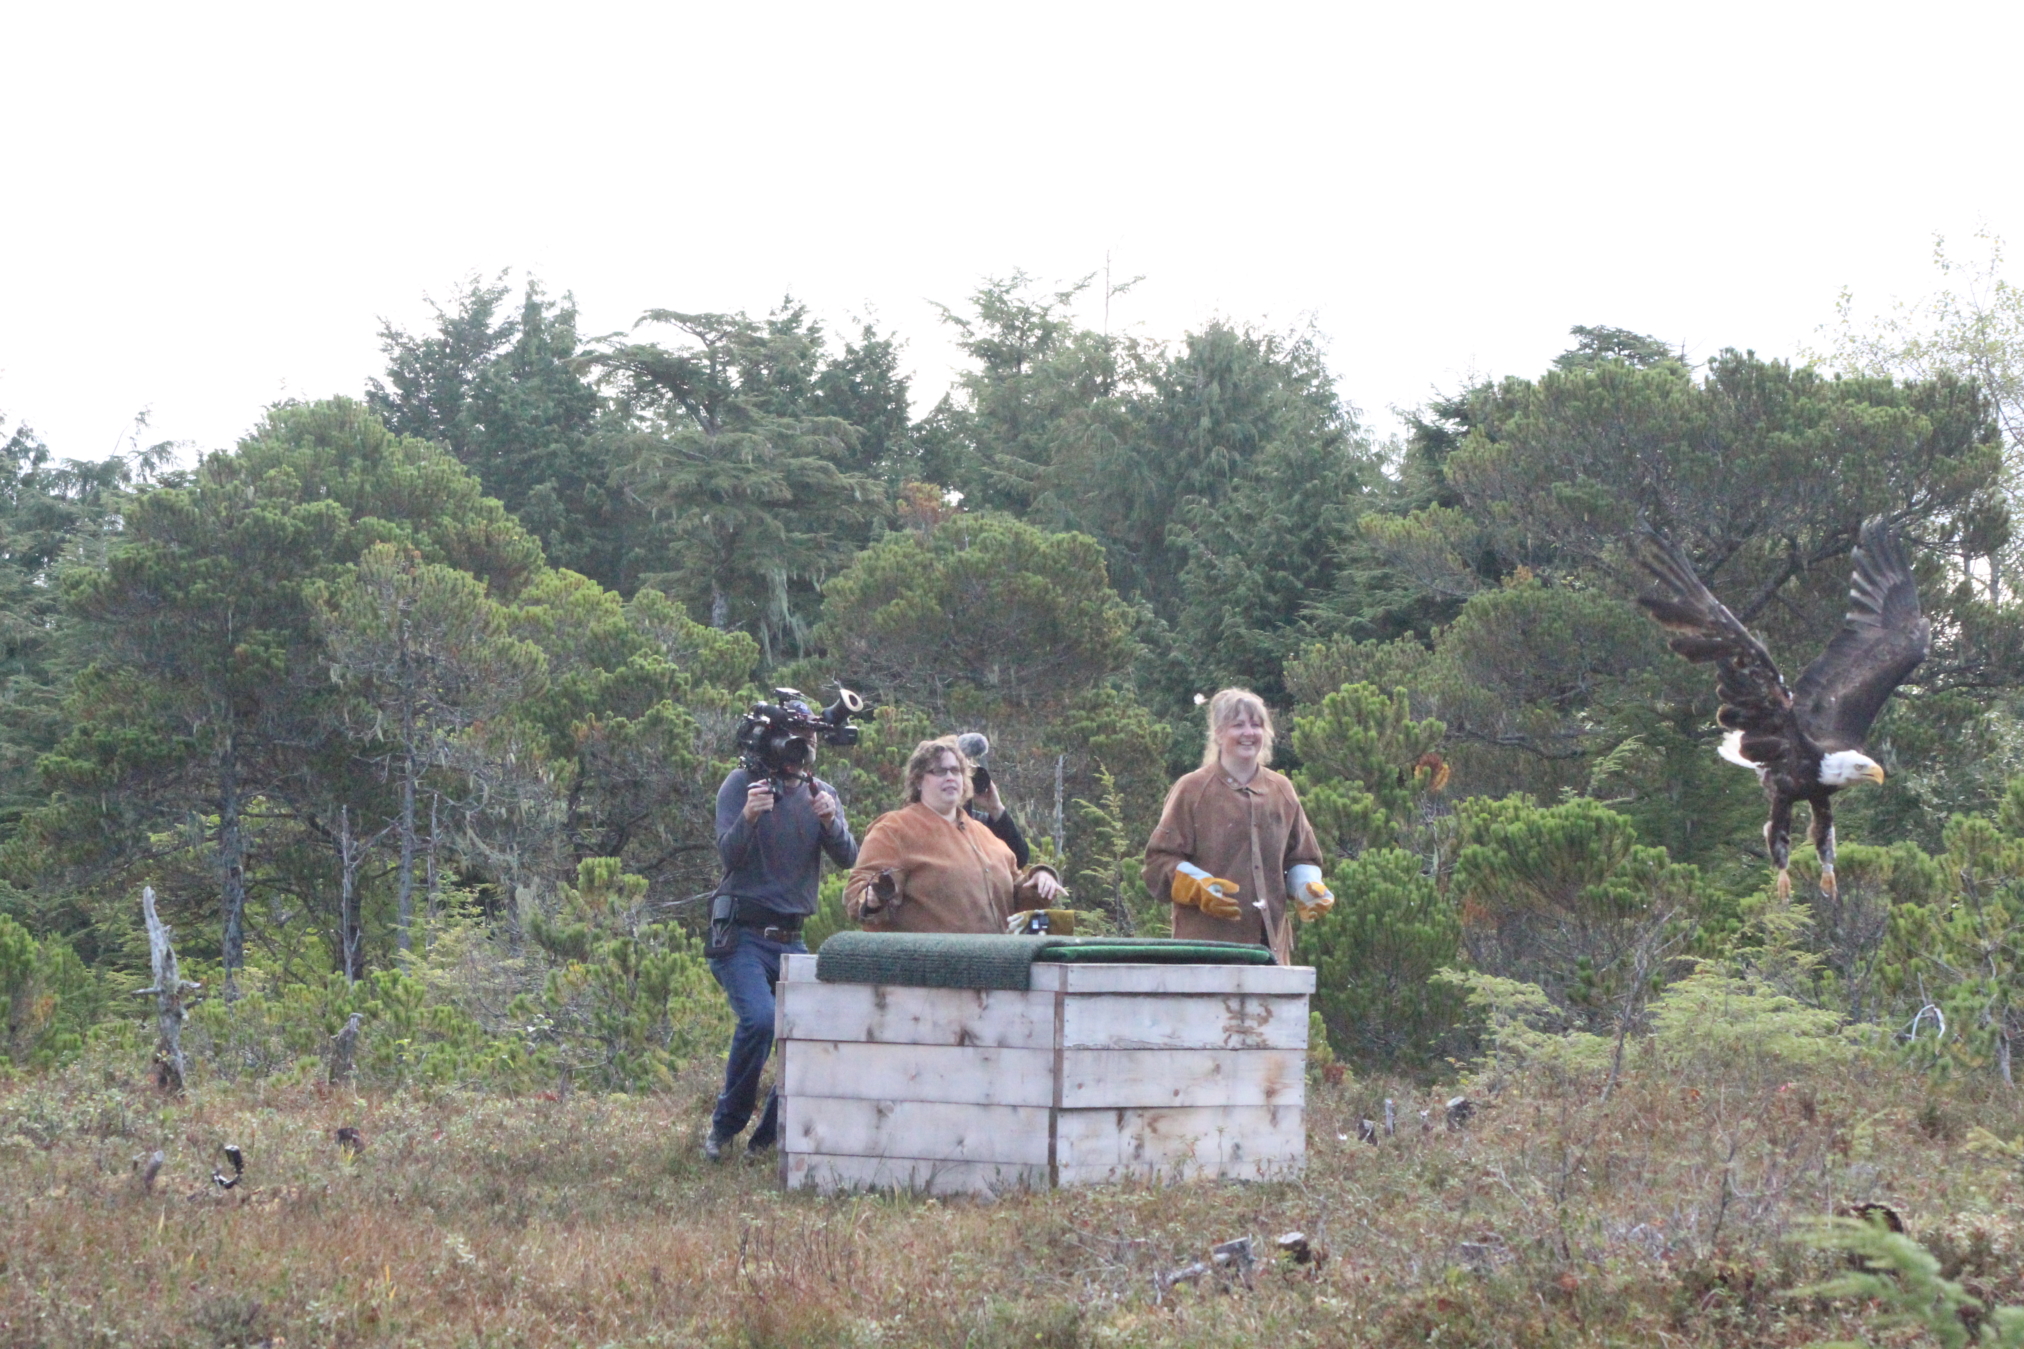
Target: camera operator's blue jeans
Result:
[[748, 975]]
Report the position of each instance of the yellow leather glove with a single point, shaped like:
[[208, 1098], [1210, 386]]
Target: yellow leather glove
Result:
[[1310, 894], [1197, 889]]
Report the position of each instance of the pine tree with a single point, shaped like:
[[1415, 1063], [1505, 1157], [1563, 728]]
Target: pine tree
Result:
[[982, 605], [1566, 898], [211, 687], [1366, 768], [430, 655], [724, 441], [1374, 956], [1962, 954]]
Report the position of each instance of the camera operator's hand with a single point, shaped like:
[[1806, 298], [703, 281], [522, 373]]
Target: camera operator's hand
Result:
[[989, 802], [758, 800], [824, 803]]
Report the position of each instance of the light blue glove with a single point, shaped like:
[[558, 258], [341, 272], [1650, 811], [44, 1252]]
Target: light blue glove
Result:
[[1309, 893]]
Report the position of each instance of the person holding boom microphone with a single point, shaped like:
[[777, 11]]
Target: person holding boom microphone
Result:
[[931, 867], [985, 804], [1233, 844]]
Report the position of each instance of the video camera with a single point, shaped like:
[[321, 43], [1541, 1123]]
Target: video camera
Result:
[[777, 739]]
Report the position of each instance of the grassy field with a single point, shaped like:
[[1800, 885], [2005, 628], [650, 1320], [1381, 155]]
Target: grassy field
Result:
[[1670, 1213]]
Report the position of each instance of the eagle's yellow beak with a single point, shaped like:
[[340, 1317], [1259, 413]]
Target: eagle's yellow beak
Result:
[[1873, 773]]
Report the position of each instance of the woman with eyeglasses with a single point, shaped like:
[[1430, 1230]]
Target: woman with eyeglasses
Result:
[[931, 867]]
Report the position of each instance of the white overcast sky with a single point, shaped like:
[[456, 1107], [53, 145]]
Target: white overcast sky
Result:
[[210, 207]]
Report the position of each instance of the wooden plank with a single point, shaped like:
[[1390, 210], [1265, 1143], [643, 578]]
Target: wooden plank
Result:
[[1136, 1078], [894, 1014], [882, 1072], [827, 1173], [943, 1131], [1257, 980], [1180, 1021], [1283, 1168], [1060, 1001], [1241, 1141], [797, 969]]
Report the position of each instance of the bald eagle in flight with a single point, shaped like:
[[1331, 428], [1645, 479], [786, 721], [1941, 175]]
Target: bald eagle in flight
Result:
[[1804, 744]]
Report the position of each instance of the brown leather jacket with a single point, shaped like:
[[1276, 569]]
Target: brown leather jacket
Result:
[[1251, 835], [952, 877]]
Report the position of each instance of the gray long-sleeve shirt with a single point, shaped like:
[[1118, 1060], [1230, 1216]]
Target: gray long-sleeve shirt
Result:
[[774, 862]]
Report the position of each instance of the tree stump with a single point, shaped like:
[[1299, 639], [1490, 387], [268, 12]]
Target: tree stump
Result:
[[170, 1066], [343, 1047]]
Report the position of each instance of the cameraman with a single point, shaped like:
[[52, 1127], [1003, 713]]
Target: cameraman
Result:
[[772, 831]]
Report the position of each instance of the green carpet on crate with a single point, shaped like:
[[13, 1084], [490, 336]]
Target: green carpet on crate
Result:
[[951, 960]]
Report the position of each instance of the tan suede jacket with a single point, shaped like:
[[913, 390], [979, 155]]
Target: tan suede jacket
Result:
[[1251, 835], [952, 877]]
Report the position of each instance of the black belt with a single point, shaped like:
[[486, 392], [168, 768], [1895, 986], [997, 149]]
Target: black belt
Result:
[[778, 931]]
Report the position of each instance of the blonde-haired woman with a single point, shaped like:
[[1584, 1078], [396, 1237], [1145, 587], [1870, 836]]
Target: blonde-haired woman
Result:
[[1233, 845], [930, 867]]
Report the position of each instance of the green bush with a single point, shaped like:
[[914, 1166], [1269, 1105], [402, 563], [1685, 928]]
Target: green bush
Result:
[[627, 1002], [410, 1034], [1374, 956], [1901, 1281], [47, 995]]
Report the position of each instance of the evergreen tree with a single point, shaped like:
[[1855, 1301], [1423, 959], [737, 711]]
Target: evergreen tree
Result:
[[1764, 472], [52, 514], [1566, 898], [1270, 479], [1961, 952], [982, 611], [610, 748], [430, 655], [211, 686], [501, 391], [725, 442], [1040, 386], [865, 389], [1367, 768], [1375, 956]]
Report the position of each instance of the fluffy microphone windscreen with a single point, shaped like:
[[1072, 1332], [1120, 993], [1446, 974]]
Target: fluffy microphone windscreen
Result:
[[974, 745]]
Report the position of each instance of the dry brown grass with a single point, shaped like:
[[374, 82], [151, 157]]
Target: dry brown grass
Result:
[[1666, 1215]]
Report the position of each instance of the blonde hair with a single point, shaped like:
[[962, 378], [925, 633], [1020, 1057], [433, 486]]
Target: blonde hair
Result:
[[1225, 708], [923, 758]]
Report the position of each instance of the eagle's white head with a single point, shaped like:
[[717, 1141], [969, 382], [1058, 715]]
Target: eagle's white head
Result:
[[1846, 766]]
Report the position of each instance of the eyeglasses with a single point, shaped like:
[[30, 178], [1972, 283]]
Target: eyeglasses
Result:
[[947, 770]]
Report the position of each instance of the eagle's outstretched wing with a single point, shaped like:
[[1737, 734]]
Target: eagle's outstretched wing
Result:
[[1754, 698], [1882, 640]]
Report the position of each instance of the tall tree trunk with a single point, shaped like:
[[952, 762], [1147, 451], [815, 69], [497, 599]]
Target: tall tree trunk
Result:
[[720, 607], [231, 862], [350, 931], [405, 914], [434, 884]]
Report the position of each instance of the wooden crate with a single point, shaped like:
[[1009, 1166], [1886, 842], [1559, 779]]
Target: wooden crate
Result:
[[1098, 1073]]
